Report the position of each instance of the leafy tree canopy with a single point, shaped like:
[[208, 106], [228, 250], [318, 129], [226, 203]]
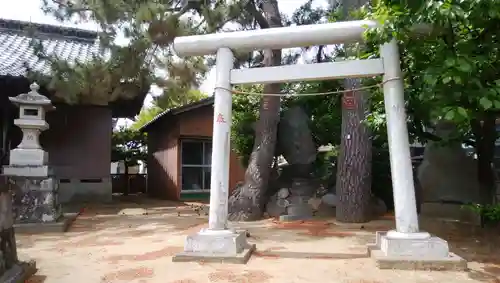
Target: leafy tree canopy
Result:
[[147, 114], [123, 71], [453, 73], [129, 146], [175, 97]]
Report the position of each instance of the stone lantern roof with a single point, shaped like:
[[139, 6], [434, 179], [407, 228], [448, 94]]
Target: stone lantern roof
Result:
[[33, 97]]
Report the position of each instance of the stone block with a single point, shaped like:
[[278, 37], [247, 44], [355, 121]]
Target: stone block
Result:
[[431, 248], [35, 200], [75, 191], [216, 246], [286, 218], [19, 273], [60, 226], [28, 156], [450, 263], [27, 171], [417, 253]]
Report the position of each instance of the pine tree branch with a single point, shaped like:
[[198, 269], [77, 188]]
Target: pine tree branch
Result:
[[70, 6], [261, 20], [200, 24]]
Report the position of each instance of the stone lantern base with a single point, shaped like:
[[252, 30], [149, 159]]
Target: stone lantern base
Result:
[[35, 200], [36, 207]]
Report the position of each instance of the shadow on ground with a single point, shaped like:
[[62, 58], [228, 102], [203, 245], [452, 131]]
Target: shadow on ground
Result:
[[37, 279]]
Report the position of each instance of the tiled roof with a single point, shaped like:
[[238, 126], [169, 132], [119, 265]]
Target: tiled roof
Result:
[[16, 52]]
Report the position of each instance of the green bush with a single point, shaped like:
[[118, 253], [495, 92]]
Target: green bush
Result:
[[489, 213]]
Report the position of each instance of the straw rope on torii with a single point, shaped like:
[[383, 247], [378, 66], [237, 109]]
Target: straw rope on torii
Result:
[[309, 94]]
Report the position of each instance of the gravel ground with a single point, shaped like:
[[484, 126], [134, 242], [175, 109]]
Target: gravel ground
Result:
[[134, 243]]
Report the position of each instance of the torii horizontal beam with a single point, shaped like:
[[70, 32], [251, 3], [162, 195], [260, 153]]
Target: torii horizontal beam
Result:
[[274, 38], [308, 72]]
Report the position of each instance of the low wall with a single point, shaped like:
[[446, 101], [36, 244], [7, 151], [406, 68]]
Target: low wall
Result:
[[82, 190], [449, 211]]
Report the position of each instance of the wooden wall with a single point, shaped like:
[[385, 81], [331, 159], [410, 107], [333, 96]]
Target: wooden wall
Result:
[[79, 142], [164, 163]]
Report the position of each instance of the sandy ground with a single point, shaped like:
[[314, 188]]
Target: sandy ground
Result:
[[135, 242]]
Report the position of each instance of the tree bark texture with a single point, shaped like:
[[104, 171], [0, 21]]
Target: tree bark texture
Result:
[[354, 161], [247, 203]]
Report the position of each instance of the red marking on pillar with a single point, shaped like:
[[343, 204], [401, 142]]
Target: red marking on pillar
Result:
[[220, 119], [348, 100]]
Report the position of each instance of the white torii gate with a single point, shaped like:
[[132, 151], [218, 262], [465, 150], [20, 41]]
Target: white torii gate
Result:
[[219, 243]]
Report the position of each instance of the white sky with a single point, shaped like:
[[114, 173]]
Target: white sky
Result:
[[29, 10]]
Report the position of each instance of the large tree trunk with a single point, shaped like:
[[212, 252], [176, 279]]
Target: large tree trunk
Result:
[[247, 203], [354, 161], [485, 135]]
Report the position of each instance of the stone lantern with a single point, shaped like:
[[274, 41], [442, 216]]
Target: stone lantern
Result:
[[35, 192]]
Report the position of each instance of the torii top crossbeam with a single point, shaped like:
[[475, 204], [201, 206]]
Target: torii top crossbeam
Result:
[[274, 38]]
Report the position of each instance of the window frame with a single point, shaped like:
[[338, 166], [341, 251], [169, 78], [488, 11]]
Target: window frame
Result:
[[202, 166]]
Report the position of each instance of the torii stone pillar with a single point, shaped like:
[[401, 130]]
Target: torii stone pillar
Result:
[[218, 243], [407, 246]]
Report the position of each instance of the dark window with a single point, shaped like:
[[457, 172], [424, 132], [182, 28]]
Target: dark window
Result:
[[207, 152], [192, 178], [31, 112], [192, 153], [196, 162]]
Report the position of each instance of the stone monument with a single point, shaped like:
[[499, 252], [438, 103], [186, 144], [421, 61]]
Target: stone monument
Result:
[[295, 185], [448, 179], [34, 187]]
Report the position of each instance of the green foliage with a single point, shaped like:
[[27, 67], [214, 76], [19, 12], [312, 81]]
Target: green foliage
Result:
[[452, 73], [148, 28], [175, 97], [324, 110], [99, 81], [488, 213], [245, 115], [324, 169], [143, 56], [147, 114], [129, 146], [450, 60]]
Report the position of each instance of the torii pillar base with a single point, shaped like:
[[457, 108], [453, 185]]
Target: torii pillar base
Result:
[[222, 246], [414, 251]]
